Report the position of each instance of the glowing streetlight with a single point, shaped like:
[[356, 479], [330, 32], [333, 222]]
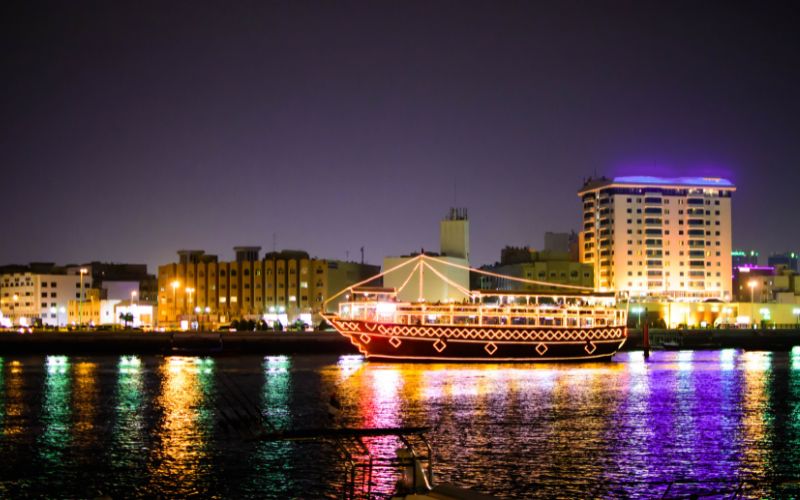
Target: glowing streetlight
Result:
[[134, 293], [638, 310], [752, 284], [796, 313]]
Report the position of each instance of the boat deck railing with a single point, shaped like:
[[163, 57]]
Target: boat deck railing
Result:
[[482, 315]]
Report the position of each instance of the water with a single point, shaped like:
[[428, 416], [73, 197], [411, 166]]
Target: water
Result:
[[83, 427]]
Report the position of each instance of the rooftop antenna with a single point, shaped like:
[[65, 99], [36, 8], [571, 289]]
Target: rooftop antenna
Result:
[[347, 255], [362, 255]]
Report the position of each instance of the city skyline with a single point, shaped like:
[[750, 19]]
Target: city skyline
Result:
[[132, 132]]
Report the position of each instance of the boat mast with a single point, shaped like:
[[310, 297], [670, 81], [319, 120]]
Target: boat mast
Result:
[[421, 272]]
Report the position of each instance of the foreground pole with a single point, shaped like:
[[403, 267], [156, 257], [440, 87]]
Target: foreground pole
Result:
[[646, 337]]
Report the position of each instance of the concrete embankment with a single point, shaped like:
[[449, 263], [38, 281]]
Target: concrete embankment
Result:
[[91, 342], [770, 340]]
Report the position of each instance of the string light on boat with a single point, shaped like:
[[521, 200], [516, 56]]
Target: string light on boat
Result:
[[386, 309]]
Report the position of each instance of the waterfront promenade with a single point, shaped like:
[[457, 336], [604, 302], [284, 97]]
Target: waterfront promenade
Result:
[[328, 342], [129, 342]]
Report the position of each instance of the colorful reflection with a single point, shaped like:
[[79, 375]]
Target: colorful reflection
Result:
[[56, 413], [577, 431], [129, 418], [15, 402], [84, 404], [277, 386], [2, 394], [349, 364], [272, 459], [756, 414], [178, 463]]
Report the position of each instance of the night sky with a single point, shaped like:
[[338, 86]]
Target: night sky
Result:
[[129, 131]]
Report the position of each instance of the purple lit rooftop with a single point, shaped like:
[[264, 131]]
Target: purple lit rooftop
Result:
[[674, 181]]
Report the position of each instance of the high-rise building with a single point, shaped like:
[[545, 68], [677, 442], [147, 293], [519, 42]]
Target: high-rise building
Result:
[[659, 237]]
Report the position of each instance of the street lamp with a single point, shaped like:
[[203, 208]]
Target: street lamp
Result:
[[796, 312], [83, 271], [752, 284], [638, 310], [134, 293]]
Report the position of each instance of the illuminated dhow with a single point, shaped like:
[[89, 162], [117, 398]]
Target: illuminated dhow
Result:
[[484, 326]]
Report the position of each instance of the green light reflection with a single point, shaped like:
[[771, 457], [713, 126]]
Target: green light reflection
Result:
[[128, 420], [271, 459], [56, 412]]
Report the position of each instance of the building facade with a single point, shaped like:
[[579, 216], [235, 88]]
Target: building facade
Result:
[[40, 293], [119, 281], [286, 285], [744, 258], [549, 266], [659, 237], [787, 260]]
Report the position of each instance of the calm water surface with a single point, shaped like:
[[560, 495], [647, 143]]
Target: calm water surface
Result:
[[130, 426]]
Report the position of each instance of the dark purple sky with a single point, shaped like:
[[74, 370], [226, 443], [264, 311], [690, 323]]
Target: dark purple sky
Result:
[[129, 131]]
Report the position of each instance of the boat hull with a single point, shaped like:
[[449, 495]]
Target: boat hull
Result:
[[481, 343]]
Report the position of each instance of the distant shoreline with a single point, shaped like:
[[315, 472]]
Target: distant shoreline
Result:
[[328, 342], [190, 343]]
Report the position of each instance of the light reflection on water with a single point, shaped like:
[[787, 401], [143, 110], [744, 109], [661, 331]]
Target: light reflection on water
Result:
[[182, 434], [150, 426]]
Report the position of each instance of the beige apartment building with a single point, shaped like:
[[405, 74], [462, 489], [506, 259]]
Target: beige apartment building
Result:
[[289, 283], [39, 293], [659, 237]]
